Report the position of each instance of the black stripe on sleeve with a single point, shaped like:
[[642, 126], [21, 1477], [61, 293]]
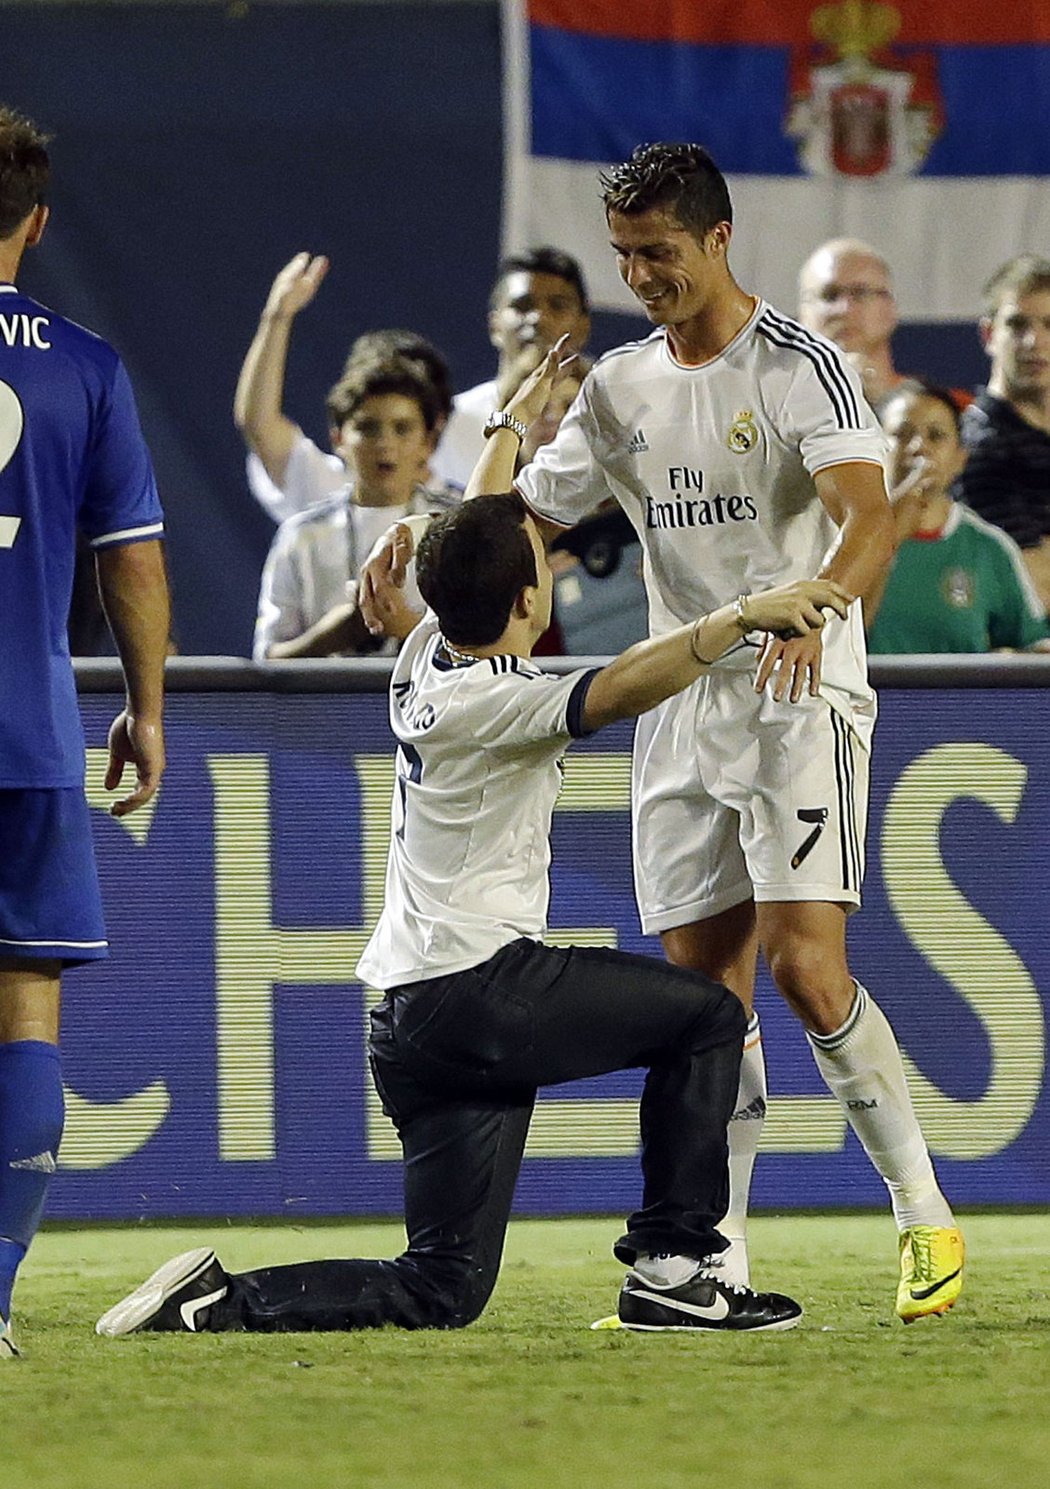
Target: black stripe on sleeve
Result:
[[825, 363], [577, 699], [830, 357]]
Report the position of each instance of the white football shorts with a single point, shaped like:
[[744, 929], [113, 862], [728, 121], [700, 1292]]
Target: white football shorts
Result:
[[737, 796]]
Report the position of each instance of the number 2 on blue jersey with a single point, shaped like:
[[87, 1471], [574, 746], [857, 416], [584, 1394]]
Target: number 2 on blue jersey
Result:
[[11, 425]]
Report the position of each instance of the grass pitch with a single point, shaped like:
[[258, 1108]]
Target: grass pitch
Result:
[[529, 1396]]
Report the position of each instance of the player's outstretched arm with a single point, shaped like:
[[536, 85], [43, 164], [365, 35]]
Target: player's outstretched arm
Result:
[[134, 588], [854, 495], [653, 670], [258, 403], [907, 502]]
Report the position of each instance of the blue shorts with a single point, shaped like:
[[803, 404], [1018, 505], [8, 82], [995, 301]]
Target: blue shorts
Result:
[[50, 904]]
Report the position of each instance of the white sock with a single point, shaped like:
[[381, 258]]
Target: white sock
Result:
[[661, 1270], [862, 1066], [745, 1130]]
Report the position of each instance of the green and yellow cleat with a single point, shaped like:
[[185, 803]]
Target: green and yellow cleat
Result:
[[931, 1270]]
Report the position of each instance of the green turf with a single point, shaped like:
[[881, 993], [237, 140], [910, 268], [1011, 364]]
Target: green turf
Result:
[[529, 1396]]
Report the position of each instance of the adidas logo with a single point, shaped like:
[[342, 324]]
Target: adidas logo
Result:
[[637, 444], [40, 1163], [755, 1111]]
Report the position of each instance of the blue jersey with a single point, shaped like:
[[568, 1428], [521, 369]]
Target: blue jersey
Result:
[[71, 455]]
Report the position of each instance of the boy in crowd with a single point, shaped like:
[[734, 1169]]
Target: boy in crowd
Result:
[[385, 417]]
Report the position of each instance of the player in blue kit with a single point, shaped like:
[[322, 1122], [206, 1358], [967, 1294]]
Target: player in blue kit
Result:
[[71, 456]]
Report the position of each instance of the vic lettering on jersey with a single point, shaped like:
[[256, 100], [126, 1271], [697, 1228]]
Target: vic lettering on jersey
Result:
[[25, 330]]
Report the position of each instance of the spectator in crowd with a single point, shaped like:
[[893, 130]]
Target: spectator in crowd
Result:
[[538, 297], [1006, 479], [385, 415], [845, 292], [287, 471], [957, 584]]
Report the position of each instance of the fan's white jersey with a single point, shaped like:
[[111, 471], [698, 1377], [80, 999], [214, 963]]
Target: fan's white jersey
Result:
[[478, 771], [714, 465]]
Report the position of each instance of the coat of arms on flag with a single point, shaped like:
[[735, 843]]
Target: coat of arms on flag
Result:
[[921, 126], [858, 108]]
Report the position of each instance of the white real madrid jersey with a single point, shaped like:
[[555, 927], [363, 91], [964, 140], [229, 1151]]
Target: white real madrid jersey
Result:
[[714, 467], [478, 770]]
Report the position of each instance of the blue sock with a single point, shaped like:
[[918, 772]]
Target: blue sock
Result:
[[32, 1110]]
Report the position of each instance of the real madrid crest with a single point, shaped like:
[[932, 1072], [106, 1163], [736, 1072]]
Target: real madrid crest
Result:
[[743, 433]]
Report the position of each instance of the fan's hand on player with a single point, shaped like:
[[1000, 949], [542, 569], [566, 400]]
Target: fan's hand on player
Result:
[[396, 615], [382, 580], [132, 741], [794, 616], [532, 397], [794, 609], [296, 285]]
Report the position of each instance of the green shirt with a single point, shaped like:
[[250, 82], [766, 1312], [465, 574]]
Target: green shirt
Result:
[[966, 590]]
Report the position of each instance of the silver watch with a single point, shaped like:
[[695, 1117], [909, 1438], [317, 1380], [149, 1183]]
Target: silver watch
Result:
[[502, 420]]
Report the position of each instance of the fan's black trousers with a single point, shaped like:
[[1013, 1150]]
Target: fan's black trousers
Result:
[[457, 1061]]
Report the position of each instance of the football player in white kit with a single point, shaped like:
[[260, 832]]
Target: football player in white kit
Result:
[[741, 448], [477, 1011]]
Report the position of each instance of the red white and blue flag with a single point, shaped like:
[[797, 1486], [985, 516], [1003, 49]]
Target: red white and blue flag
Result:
[[922, 127]]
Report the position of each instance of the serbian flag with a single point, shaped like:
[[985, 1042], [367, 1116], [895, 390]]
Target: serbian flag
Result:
[[922, 128]]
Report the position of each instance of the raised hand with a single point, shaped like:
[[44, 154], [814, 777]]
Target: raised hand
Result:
[[296, 284], [534, 393]]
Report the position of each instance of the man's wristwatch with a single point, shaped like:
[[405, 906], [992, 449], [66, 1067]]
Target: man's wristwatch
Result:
[[502, 420]]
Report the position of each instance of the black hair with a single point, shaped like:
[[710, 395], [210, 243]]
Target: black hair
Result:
[[922, 387], [25, 169], [543, 260], [371, 378], [682, 180], [381, 345], [473, 563]]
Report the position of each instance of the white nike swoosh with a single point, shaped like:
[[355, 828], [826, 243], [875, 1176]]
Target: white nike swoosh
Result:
[[190, 1310], [717, 1311], [40, 1163]]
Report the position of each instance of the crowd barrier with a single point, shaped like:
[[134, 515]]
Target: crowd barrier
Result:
[[216, 1062]]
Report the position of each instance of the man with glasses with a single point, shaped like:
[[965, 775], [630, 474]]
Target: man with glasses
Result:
[[845, 293]]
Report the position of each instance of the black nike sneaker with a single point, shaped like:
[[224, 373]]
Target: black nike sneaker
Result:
[[177, 1298], [704, 1302]]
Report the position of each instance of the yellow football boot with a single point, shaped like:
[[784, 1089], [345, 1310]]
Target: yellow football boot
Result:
[[931, 1270]]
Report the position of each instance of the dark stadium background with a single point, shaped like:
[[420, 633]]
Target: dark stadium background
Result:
[[198, 147]]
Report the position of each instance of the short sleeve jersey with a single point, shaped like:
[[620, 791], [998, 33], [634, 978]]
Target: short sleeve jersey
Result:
[[966, 590], [714, 467], [477, 773], [317, 555], [71, 455]]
